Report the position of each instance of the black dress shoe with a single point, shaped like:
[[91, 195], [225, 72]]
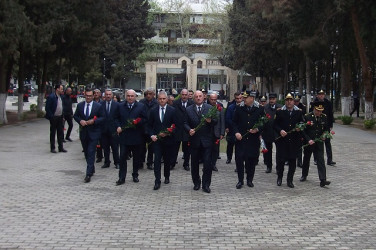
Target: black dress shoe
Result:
[[303, 178], [64, 141], [228, 161], [196, 187], [332, 163], [135, 179], [106, 165], [324, 183], [120, 182], [68, 139], [239, 185], [98, 160], [268, 170], [186, 168], [300, 165], [63, 150], [172, 167], [290, 184], [87, 179], [250, 184], [206, 189], [167, 180], [53, 151], [215, 168], [219, 158], [117, 166], [157, 186], [279, 181]]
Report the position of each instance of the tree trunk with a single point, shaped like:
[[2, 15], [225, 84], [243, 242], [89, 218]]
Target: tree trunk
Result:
[[301, 75], [345, 88], [38, 80], [366, 69], [21, 79], [308, 82]]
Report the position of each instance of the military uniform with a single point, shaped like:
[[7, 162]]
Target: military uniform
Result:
[[288, 146], [248, 148], [311, 132]]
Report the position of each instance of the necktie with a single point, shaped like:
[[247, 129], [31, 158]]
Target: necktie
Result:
[[130, 106], [162, 114], [184, 103], [290, 112], [87, 111], [199, 110], [108, 107]]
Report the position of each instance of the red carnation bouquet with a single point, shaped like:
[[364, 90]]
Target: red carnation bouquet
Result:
[[298, 127], [263, 148], [167, 132], [260, 123], [131, 123], [323, 137], [212, 113]]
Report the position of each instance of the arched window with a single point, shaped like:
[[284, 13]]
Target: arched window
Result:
[[184, 64], [199, 64]]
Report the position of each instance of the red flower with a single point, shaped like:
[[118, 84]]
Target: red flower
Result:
[[268, 116], [137, 121], [26, 95], [173, 126], [98, 146], [65, 129], [332, 132], [94, 118], [219, 107], [170, 130], [309, 123], [217, 141], [264, 151]]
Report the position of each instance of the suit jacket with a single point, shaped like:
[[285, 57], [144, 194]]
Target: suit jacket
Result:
[[67, 105], [110, 124], [317, 128], [269, 133], [205, 134], [243, 121], [155, 126], [219, 128], [288, 146], [181, 115], [328, 110], [131, 136], [92, 131], [51, 104]]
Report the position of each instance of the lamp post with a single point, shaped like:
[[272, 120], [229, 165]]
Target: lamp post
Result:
[[104, 72]]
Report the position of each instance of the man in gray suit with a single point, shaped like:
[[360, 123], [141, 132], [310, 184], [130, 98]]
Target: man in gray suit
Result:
[[201, 140], [219, 129]]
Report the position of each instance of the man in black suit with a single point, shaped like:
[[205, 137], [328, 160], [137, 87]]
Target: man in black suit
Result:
[[54, 113], [247, 146], [288, 144], [219, 129], [304, 111], [200, 141], [181, 135], [131, 136], [109, 139], [162, 118], [268, 133], [89, 115], [68, 112], [149, 102], [98, 99]]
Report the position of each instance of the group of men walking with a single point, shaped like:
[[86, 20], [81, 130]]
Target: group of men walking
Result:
[[152, 130]]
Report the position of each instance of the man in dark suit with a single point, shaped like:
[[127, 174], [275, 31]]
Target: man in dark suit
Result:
[[109, 139], [200, 141], [98, 99], [247, 146], [68, 112], [304, 111], [219, 129], [160, 119], [54, 113], [89, 115], [268, 133], [230, 137], [181, 135], [131, 136], [289, 143], [315, 130], [149, 102]]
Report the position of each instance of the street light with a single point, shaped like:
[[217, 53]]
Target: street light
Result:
[[104, 72]]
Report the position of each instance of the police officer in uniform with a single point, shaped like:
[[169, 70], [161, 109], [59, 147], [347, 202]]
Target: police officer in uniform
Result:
[[247, 145], [311, 132], [304, 111], [288, 144]]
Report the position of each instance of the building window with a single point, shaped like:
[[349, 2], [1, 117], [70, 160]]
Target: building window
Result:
[[199, 64], [184, 64]]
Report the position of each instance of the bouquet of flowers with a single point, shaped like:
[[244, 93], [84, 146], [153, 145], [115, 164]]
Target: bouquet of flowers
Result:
[[263, 148], [260, 123], [167, 132], [299, 126], [323, 137], [131, 123], [212, 113]]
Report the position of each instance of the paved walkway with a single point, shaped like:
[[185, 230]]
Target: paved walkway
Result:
[[44, 203]]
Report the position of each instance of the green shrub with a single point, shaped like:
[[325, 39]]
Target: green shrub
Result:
[[24, 116], [346, 120], [40, 114], [369, 124], [33, 107]]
